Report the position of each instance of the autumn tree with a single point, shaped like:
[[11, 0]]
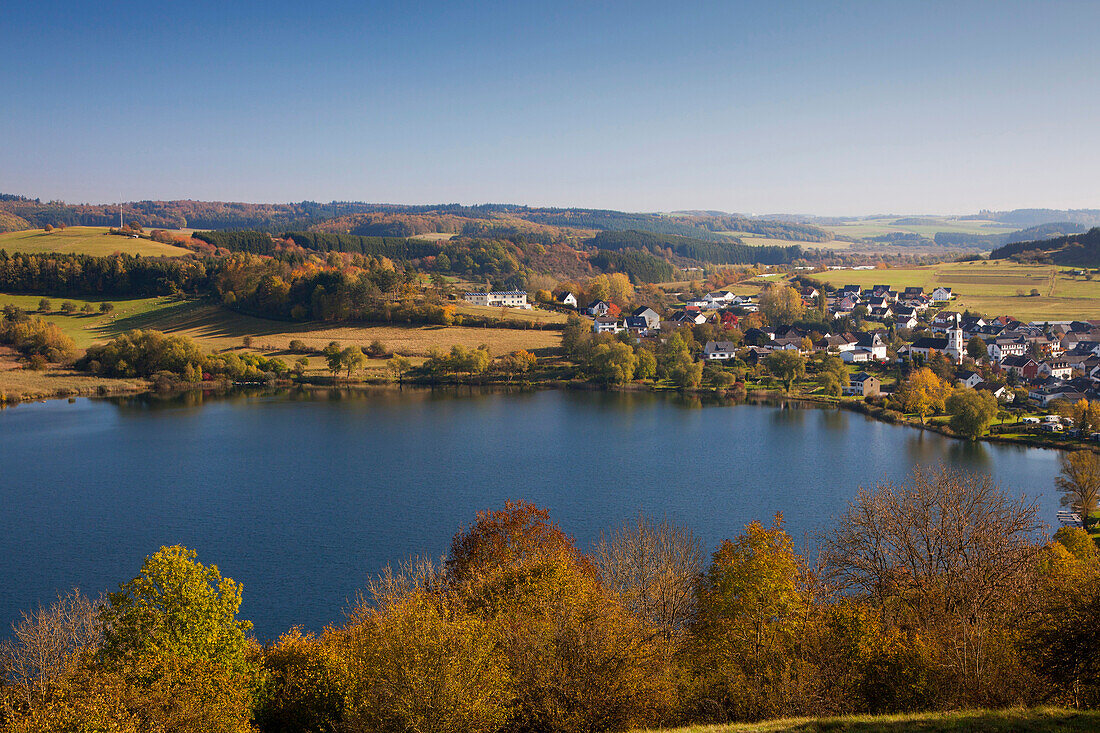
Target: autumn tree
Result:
[[654, 566], [751, 603], [416, 662], [946, 553], [782, 304], [923, 393], [1079, 482]]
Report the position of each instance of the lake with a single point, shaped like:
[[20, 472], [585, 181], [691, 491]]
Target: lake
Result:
[[302, 496]]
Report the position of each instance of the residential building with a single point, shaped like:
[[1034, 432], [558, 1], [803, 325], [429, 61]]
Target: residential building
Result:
[[497, 299]]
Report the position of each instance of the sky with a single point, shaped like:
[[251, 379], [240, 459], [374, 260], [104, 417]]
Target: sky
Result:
[[821, 107]]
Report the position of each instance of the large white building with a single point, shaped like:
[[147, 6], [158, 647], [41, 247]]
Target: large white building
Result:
[[497, 299]]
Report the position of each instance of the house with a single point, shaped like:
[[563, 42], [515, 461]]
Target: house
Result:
[[946, 320], [1021, 366], [926, 346], [721, 297], [567, 299], [1057, 369], [809, 293], [913, 291], [840, 343], [1000, 349], [598, 308], [606, 324], [862, 385], [652, 318], [941, 295], [873, 344], [759, 336], [905, 318], [855, 356], [500, 299], [719, 350], [689, 317], [967, 378], [638, 325], [999, 391]]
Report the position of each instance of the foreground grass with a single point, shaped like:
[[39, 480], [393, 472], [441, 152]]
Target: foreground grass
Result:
[[23, 384], [1037, 720], [84, 240]]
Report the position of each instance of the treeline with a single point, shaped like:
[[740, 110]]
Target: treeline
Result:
[[640, 266], [726, 252], [1043, 231], [935, 594], [1081, 250], [114, 276], [155, 355]]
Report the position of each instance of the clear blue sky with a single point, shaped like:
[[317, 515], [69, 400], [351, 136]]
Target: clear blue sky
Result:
[[816, 107]]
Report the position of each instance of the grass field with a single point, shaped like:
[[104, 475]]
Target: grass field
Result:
[[217, 328], [84, 240], [887, 225], [757, 240], [1037, 720], [992, 287]]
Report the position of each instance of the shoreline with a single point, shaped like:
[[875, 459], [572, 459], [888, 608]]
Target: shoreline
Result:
[[141, 387]]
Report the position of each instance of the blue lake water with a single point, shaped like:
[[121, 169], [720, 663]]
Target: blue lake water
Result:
[[303, 496]]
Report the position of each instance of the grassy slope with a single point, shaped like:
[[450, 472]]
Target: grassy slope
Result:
[[1038, 720], [84, 240], [217, 328], [991, 287]]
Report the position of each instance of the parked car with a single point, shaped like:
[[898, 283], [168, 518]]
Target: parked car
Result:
[[1031, 421]]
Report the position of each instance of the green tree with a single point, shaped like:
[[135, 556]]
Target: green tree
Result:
[[647, 364], [106, 308], [398, 366], [334, 357], [975, 348], [613, 363], [971, 411], [352, 359], [177, 608], [786, 365]]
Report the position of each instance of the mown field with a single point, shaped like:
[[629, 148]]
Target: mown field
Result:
[[217, 328], [992, 287], [84, 240], [1039, 720]]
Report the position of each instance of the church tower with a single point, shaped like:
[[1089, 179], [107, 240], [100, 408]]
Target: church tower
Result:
[[955, 347]]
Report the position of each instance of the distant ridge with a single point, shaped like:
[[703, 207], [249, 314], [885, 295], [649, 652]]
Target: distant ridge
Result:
[[1079, 250]]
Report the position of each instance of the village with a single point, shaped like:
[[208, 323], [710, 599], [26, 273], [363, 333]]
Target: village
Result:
[[881, 334]]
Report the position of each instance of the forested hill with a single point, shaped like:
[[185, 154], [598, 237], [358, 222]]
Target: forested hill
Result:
[[1033, 217], [392, 220], [1079, 250], [729, 251]]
